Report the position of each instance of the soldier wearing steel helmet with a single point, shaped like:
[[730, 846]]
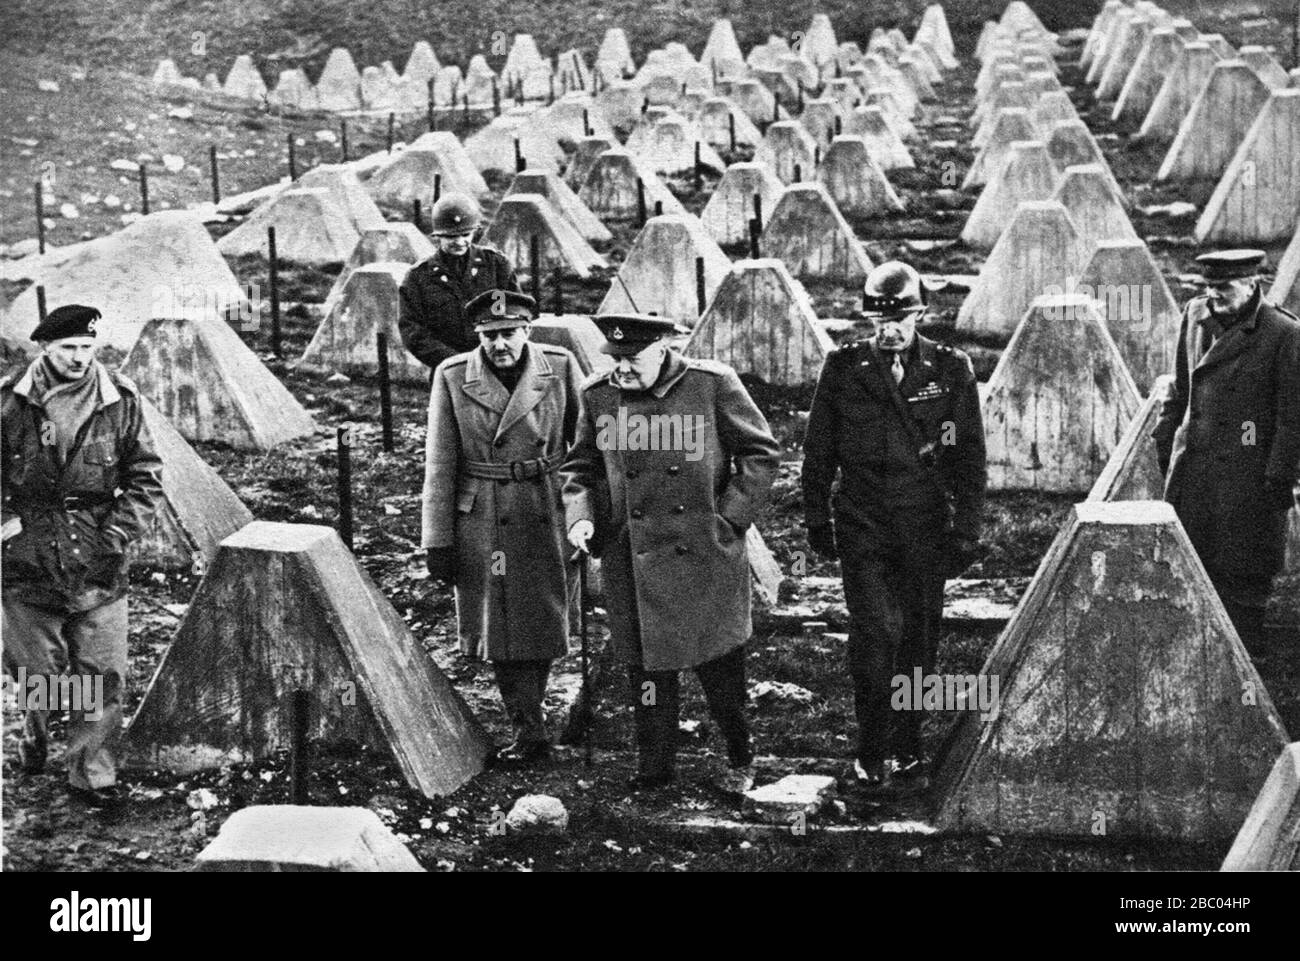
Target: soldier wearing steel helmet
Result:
[[1228, 437], [432, 318], [896, 417]]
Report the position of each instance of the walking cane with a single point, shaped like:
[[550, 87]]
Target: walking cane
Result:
[[584, 695]]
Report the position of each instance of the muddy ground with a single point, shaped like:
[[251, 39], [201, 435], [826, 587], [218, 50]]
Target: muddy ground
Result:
[[106, 115]]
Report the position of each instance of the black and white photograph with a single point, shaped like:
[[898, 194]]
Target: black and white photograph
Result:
[[652, 436]]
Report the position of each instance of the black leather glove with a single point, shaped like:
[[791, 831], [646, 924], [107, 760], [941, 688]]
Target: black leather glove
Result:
[[1279, 495], [441, 562], [962, 553], [821, 539]]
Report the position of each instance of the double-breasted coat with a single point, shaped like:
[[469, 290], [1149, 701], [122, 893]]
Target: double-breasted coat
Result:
[[511, 557], [670, 523], [1231, 424], [431, 302]]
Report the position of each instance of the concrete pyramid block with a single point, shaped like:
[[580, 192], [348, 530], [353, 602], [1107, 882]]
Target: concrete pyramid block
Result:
[[1147, 76], [1105, 49], [761, 322], [213, 388], [886, 147], [410, 176], [244, 80], [345, 187], [399, 242], [855, 181], [910, 67], [339, 85], [571, 72], [493, 147], [576, 333], [1059, 399], [520, 217], [422, 65], [286, 608], [478, 82], [819, 118], [563, 199], [1027, 174], [1127, 703], [448, 86], [1039, 250], [819, 44], [454, 159], [810, 235], [310, 228], [1097, 212], [721, 51], [365, 307], [1132, 473], [846, 94], [567, 115], [1012, 124], [727, 215], [752, 97], [377, 90], [288, 837], [1285, 291], [615, 49], [293, 91], [620, 102], [1006, 96], [523, 55], [895, 115], [1269, 840], [1127, 49], [1216, 124], [584, 155], [1272, 73], [1140, 312], [166, 72], [1183, 84], [719, 117], [1257, 200], [659, 273], [787, 145], [163, 262], [198, 509], [1217, 43], [610, 190], [670, 148], [1071, 144]]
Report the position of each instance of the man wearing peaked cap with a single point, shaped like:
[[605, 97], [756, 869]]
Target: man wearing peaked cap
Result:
[[672, 463], [82, 480], [897, 418], [501, 418], [1228, 437], [432, 318]]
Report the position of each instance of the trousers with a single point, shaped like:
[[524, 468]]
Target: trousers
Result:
[[44, 641], [656, 704], [523, 688]]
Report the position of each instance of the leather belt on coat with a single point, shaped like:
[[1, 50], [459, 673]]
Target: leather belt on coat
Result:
[[517, 470]]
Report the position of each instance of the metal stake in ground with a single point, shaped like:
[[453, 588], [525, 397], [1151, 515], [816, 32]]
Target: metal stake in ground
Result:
[[437, 187], [699, 285], [415, 214], [385, 392], [798, 174], [758, 211], [519, 157], [429, 107], [731, 130], [216, 176], [392, 119], [496, 98], [343, 138], [659, 208], [345, 485], [275, 293], [586, 123], [299, 759], [144, 190], [40, 218], [535, 265], [640, 201], [293, 160], [699, 170], [755, 228], [40, 303], [465, 104]]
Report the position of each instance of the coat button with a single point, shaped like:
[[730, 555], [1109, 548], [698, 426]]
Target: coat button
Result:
[[504, 521], [631, 475], [679, 509], [637, 514], [541, 442], [499, 442], [502, 481], [674, 469], [681, 548]]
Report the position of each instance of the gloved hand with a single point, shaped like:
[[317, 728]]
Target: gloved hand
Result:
[[441, 562], [821, 539], [962, 553], [1279, 495]]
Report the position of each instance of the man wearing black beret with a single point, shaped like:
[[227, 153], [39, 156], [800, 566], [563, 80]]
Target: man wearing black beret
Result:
[[81, 476], [1228, 437], [501, 418]]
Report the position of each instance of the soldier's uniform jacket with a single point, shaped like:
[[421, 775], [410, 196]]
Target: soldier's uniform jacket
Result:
[[1231, 423], [67, 559], [670, 524], [432, 299], [856, 427], [509, 534]]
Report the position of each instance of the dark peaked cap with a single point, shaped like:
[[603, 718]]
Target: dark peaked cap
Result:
[[70, 320], [1230, 264], [500, 310], [631, 333]]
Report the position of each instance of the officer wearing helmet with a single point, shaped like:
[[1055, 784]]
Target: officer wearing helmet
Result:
[[432, 318], [897, 417]]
